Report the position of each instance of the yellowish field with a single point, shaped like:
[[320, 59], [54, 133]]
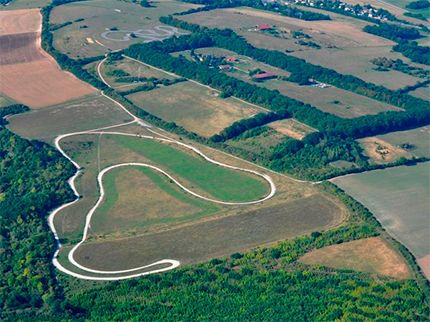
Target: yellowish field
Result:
[[194, 107], [380, 151], [292, 128], [373, 255]]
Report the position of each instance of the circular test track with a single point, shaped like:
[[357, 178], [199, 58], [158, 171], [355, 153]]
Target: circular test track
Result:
[[133, 272]]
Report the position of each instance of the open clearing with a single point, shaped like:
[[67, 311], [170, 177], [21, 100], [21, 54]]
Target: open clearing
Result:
[[329, 99], [380, 151], [417, 140], [422, 92], [399, 198], [292, 128], [372, 255], [99, 16], [89, 112], [139, 197], [196, 108], [22, 55], [341, 32], [357, 61], [134, 69], [213, 238]]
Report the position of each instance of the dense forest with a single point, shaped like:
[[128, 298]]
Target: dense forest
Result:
[[417, 5], [33, 180]]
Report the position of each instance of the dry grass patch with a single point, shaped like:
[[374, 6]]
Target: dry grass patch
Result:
[[380, 151], [292, 128], [197, 108], [28, 74], [372, 255], [215, 237]]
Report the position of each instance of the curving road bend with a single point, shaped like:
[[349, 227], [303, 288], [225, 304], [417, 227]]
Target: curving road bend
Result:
[[105, 275]]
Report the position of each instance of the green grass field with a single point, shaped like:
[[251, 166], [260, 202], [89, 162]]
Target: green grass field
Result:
[[399, 198], [80, 38], [221, 183], [194, 107], [138, 197]]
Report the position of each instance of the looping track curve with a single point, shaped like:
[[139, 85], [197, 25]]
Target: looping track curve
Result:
[[172, 263]]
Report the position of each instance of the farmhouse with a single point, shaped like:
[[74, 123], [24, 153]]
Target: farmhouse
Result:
[[264, 26], [264, 76], [231, 59]]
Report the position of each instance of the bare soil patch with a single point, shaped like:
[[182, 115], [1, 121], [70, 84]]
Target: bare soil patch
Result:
[[381, 151], [372, 255], [29, 74]]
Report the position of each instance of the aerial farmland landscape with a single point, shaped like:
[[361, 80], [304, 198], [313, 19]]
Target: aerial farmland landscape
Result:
[[214, 160]]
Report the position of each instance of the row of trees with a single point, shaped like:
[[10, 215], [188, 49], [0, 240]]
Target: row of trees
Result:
[[228, 39], [405, 38], [285, 10]]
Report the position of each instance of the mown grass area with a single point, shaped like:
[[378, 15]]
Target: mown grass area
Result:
[[197, 108], [85, 113], [138, 197], [221, 183]]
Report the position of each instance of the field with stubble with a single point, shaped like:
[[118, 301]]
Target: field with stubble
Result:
[[21, 54]]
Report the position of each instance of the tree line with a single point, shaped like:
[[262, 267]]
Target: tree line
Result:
[[284, 10]]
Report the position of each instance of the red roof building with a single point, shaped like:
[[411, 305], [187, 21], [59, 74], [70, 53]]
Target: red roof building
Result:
[[264, 26], [264, 76], [231, 59]]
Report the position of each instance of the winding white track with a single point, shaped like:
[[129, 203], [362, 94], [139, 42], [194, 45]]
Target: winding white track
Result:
[[133, 272]]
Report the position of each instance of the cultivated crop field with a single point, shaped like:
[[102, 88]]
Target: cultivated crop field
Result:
[[387, 193], [89, 32], [422, 92], [418, 139], [195, 107], [373, 255], [22, 55]]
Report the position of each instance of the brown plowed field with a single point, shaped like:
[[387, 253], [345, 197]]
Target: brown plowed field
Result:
[[28, 74]]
